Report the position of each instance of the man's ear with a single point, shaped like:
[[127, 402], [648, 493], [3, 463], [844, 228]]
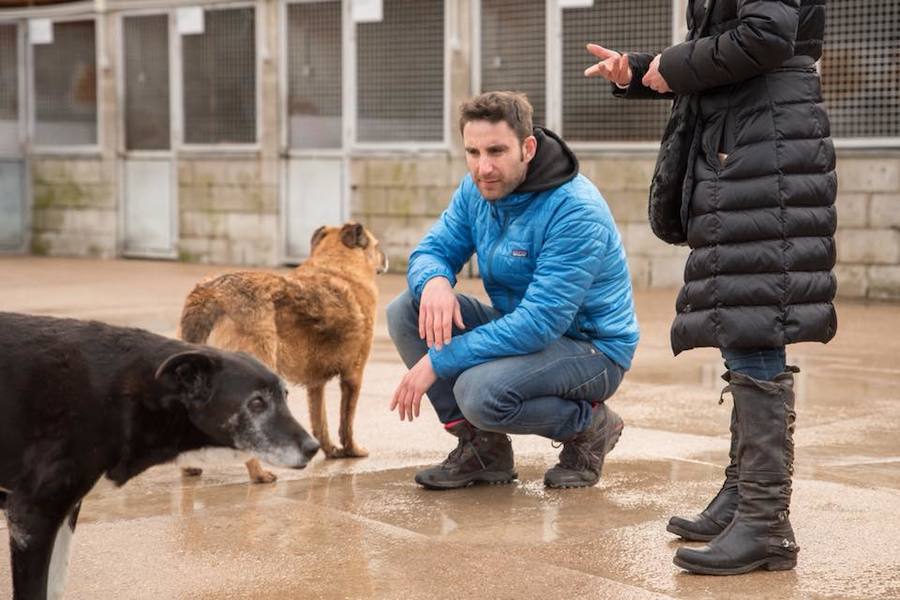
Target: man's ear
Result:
[[529, 148], [353, 235], [189, 374], [317, 236]]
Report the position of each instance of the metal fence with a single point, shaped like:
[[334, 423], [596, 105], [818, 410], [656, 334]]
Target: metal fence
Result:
[[65, 86], [219, 79], [400, 74]]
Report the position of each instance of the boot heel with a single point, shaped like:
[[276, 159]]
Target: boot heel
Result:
[[781, 564]]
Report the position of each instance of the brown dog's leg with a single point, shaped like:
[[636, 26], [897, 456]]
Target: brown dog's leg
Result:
[[257, 473], [319, 420], [349, 398]]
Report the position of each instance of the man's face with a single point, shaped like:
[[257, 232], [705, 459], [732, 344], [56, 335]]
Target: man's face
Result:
[[497, 161]]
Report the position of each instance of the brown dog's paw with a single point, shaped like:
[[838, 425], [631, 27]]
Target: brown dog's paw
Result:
[[332, 451], [352, 451], [191, 471], [264, 477]]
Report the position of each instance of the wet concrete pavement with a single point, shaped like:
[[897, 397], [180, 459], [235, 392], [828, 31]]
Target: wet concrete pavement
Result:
[[363, 529]]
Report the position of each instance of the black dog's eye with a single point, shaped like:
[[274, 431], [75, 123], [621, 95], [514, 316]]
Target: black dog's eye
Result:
[[257, 404]]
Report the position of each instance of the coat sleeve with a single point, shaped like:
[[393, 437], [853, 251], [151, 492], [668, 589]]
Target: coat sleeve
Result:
[[445, 248], [639, 63], [762, 40], [571, 258]]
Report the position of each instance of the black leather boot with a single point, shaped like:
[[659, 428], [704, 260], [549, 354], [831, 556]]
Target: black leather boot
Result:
[[760, 535], [479, 457], [720, 511]]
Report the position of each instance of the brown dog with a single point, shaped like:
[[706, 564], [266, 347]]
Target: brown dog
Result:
[[309, 326]]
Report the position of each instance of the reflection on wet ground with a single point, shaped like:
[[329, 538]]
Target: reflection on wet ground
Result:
[[363, 529]]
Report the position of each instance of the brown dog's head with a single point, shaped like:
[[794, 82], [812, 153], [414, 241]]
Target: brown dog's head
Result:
[[352, 236], [237, 402]]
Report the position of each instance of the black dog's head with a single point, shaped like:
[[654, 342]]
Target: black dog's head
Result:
[[239, 403]]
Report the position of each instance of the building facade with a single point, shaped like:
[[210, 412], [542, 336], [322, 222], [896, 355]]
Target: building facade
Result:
[[227, 132]]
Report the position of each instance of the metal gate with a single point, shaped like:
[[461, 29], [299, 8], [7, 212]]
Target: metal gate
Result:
[[13, 205], [316, 162], [150, 183]]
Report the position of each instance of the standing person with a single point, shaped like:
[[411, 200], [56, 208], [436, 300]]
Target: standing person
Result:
[[560, 331], [757, 208]]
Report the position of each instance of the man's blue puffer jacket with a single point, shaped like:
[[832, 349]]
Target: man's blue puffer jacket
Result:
[[551, 261]]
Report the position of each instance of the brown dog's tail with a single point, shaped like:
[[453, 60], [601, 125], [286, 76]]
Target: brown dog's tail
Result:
[[200, 314]]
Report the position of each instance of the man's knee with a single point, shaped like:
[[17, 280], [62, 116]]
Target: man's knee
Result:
[[484, 402], [402, 315]]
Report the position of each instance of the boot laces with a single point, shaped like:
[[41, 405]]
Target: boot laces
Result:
[[455, 454]]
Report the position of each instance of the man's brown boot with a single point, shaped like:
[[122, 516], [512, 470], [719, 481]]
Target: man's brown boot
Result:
[[480, 457], [581, 460]]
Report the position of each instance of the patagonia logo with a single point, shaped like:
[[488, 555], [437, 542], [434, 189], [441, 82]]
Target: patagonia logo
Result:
[[519, 252]]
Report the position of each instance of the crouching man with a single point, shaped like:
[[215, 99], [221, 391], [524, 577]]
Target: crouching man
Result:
[[561, 330]]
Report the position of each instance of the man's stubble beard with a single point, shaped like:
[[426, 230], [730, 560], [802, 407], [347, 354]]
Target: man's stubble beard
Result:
[[518, 183]]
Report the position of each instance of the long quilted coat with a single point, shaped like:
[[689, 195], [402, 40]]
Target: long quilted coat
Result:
[[760, 222]]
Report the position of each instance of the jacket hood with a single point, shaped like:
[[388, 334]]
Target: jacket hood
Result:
[[553, 164]]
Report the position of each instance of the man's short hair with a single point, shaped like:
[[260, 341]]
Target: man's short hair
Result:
[[511, 107]]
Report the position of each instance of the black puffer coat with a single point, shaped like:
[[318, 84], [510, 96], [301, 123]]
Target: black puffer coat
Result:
[[760, 223]]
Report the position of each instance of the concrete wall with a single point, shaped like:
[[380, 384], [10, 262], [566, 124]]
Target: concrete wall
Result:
[[868, 237], [228, 210], [400, 199], [74, 207]]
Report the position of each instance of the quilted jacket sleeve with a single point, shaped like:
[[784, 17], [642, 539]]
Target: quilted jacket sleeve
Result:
[[639, 63], [572, 256], [445, 248], [762, 40]]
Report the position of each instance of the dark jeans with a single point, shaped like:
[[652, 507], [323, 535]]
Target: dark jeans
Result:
[[547, 393], [759, 363]]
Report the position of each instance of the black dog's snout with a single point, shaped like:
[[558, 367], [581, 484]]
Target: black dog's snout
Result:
[[309, 448]]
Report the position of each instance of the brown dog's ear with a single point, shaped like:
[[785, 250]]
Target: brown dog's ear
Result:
[[317, 236], [353, 235]]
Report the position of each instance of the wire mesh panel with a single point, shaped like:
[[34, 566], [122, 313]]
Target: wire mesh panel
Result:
[[9, 89], [860, 73], [589, 111], [400, 74], [314, 74], [219, 79], [513, 49], [65, 86], [147, 124]]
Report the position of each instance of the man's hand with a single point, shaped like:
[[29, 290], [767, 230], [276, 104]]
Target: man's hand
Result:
[[654, 79], [438, 311], [408, 395], [612, 66]]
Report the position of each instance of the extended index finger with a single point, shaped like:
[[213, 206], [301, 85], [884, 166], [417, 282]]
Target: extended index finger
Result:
[[601, 52]]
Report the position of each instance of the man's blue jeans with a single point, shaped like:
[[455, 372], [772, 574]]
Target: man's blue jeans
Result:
[[759, 363], [547, 393]]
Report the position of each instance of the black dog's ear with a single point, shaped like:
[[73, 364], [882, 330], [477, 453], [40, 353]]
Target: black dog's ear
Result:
[[317, 236], [353, 235], [189, 374]]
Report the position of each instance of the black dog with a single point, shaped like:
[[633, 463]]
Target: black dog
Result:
[[80, 399]]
